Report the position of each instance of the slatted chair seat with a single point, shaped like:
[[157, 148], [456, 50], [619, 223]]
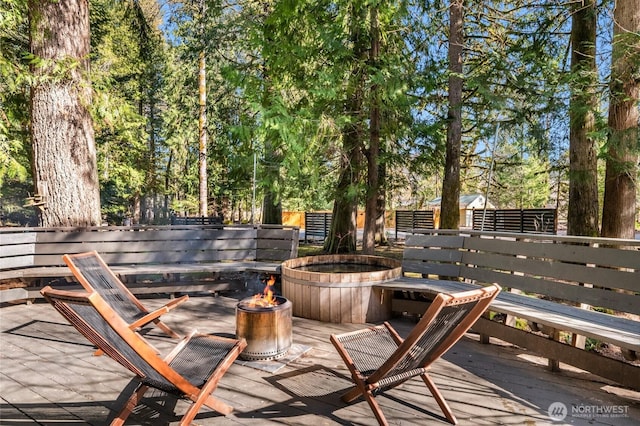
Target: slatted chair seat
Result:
[[94, 274], [192, 370], [379, 359]]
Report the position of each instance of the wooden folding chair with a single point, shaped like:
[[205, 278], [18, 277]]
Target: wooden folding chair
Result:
[[379, 359], [192, 370], [95, 275]]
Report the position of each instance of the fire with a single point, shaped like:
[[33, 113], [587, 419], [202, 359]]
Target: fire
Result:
[[267, 298]]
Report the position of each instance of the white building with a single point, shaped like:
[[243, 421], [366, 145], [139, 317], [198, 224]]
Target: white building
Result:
[[468, 202]]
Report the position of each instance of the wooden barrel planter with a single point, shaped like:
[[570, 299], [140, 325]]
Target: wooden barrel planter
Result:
[[339, 288]]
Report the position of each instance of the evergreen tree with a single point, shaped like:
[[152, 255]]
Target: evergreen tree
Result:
[[65, 172], [583, 183], [623, 145]]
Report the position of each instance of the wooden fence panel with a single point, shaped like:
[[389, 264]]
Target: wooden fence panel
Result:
[[541, 221], [408, 220], [316, 225], [196, 220]]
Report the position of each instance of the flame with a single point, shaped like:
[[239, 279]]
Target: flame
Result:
[[267, 298]]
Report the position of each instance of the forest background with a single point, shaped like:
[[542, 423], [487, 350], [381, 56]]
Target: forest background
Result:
[[203, 108]]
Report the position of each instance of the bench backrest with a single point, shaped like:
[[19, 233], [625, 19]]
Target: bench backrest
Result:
[[38, 247], [439, 255], [604, 273]]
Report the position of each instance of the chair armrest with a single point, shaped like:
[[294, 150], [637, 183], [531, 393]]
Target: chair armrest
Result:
[[175, 302], [151, 316]]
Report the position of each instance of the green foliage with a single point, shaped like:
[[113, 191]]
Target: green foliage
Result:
[[14, 45], [306, 45], [128, 70], [15, 178], [592, 345], [523, 186], [278, 82]]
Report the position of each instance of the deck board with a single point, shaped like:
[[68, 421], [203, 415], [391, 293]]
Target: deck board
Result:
[[49, 375]]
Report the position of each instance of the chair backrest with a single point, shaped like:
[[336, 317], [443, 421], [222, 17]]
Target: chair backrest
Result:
[[100, 324], [95, 275], [445, 321]]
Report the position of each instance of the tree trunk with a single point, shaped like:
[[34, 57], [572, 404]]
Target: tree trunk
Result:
[[272, 202], [373, 183], [202, 133], [202, 117], [271, 209], [65, 174], [381, 235], [343, 234], [619, 206], [137, 208], [582, 215], [450, 205], [151, 158]]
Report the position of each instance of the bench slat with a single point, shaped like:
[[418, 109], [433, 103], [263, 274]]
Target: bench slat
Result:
[[437, 255], [607, 328], [147, 246], [159, 269], [429, 268], [22, 261], [614, 300], [602, 277], [570, 253], [440, 241], [9, 238], [146, 235]]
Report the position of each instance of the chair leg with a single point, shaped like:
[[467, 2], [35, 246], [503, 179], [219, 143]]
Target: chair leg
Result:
[[356, 392], [375, 407], [130, 405], [352, 394], [195, 408], [211, 402], [215, 404], [439, 399]]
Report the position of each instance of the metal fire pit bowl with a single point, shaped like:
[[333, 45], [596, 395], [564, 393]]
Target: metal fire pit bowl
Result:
[[267, 330]]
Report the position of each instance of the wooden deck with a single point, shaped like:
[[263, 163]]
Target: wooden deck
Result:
[[48, 375]]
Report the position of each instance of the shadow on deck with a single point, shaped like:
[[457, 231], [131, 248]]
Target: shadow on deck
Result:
[[49, 375]]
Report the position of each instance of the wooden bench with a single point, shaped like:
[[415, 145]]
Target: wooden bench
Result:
[[556, 291], [186, 258]]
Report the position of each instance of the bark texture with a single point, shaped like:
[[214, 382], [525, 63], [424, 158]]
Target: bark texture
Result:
[[64, 154], [582, 215], [373, 153], [271, 179], [619, 207], [450, 205], [202, 134]]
